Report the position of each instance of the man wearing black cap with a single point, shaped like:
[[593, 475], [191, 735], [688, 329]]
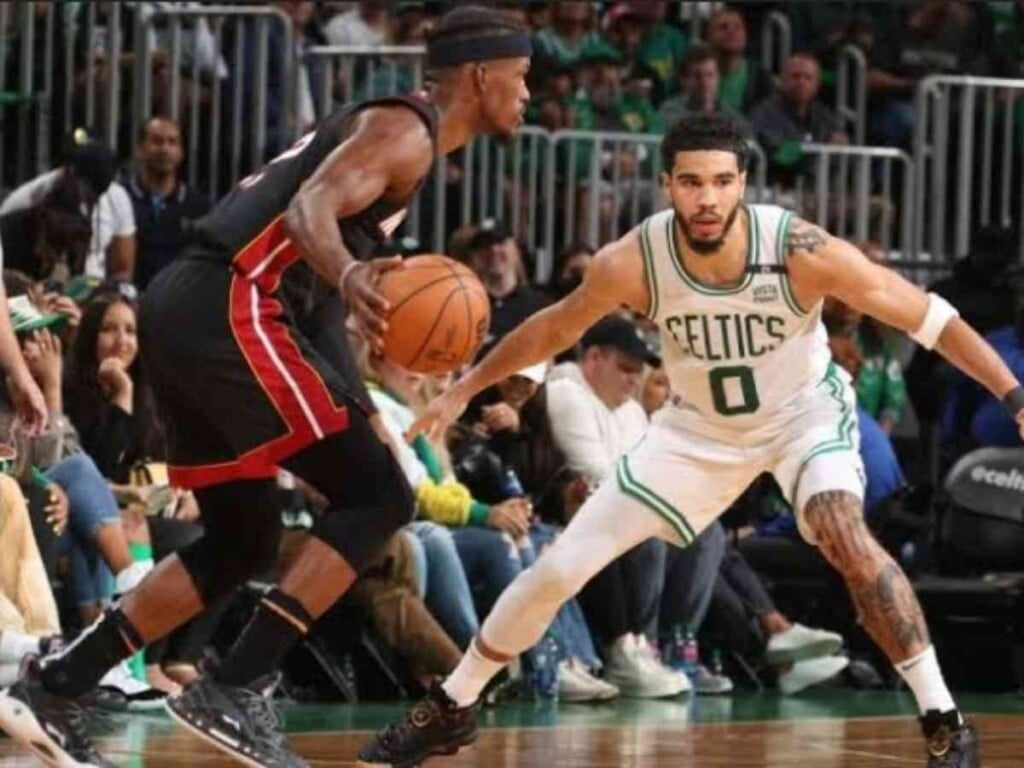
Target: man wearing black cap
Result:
[[243, 392], [595, 419], [496, 258]]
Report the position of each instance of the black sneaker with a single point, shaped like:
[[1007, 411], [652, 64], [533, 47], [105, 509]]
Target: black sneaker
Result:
[[435, 726], [951, 743], [239, 721], [50, 726]]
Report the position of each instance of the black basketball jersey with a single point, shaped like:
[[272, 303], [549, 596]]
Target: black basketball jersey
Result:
[[245, 227]]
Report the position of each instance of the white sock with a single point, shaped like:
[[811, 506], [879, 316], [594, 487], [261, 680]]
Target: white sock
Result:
[[130, 577], [15, 646], [467, 682], [924, 677], [9, 674]]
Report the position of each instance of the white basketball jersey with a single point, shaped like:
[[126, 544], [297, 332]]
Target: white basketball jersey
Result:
[[735, 356]]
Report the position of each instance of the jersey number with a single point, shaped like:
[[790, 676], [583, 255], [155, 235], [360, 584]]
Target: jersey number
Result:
[[734, 403]]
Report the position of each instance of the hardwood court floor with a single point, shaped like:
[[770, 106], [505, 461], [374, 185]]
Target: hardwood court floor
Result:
[[829, 730]]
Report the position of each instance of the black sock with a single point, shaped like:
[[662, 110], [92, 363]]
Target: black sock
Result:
[[79, 668], [279, 623]]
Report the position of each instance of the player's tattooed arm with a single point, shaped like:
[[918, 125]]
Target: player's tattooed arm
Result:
[[881, 593], [804, 236]]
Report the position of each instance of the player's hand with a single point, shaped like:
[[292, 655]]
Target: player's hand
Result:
[[439, 414], [368, 307], [29, 403], [511, 517], [500, 417]]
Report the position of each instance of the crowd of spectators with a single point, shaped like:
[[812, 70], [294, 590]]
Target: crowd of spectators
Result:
[[86, 509]]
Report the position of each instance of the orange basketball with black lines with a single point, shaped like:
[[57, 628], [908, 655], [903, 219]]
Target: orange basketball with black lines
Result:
[[439, 315]]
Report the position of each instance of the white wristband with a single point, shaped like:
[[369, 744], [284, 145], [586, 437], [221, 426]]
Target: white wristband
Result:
[[939, 313], [345, 273]]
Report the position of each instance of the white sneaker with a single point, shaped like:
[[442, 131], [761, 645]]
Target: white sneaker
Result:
[[805, 674], [707, 683], [630, 668], [652, 658], [129, 693], [800, 643], [575, 683]]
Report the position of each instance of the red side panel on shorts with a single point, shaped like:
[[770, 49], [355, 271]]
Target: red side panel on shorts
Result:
[[299, 394]]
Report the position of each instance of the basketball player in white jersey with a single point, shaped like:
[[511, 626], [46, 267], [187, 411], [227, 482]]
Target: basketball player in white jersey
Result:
[[736, 291]]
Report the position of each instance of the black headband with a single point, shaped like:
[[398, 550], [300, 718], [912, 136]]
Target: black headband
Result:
[[443, 53]]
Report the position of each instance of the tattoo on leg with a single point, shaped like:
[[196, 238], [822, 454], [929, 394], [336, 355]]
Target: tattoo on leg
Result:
[[881, 593]]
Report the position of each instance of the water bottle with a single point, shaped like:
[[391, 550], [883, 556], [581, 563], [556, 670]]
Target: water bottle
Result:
[[544, 675], [672, 651], [513, 489], [690, 655], [717, 667]]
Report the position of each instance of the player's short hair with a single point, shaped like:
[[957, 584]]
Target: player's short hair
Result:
[[475, 33], [705, 132]]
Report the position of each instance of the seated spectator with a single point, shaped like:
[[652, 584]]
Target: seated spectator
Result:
[[744, 82], [595, 420], [699, 79], [48, 241], [91, 165], [163, 204], [496, 257], [794, 114], [510, 443], [486, 554], [571, 29], [109, 404]]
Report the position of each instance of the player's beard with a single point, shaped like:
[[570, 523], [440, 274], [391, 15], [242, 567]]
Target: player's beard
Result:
[[708, 247]]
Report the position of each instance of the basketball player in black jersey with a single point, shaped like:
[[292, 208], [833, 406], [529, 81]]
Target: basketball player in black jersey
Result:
[[243, 392]]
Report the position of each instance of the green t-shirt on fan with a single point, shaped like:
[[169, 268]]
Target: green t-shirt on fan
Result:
[[732, 86]]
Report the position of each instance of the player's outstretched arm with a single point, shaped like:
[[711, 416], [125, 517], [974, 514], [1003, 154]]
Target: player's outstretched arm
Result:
[[615, 278], [387, 153], [823, 265]]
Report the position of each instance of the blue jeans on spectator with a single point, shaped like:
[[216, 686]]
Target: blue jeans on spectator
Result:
[[91, 506], [492, 561], [444, 587], [691, 574], [569, 626]]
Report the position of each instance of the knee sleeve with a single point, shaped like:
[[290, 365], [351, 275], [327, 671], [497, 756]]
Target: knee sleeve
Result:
[[357, 532], [241, 537]]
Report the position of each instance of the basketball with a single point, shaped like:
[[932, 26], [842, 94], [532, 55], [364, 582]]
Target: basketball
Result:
[[439, 315]]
